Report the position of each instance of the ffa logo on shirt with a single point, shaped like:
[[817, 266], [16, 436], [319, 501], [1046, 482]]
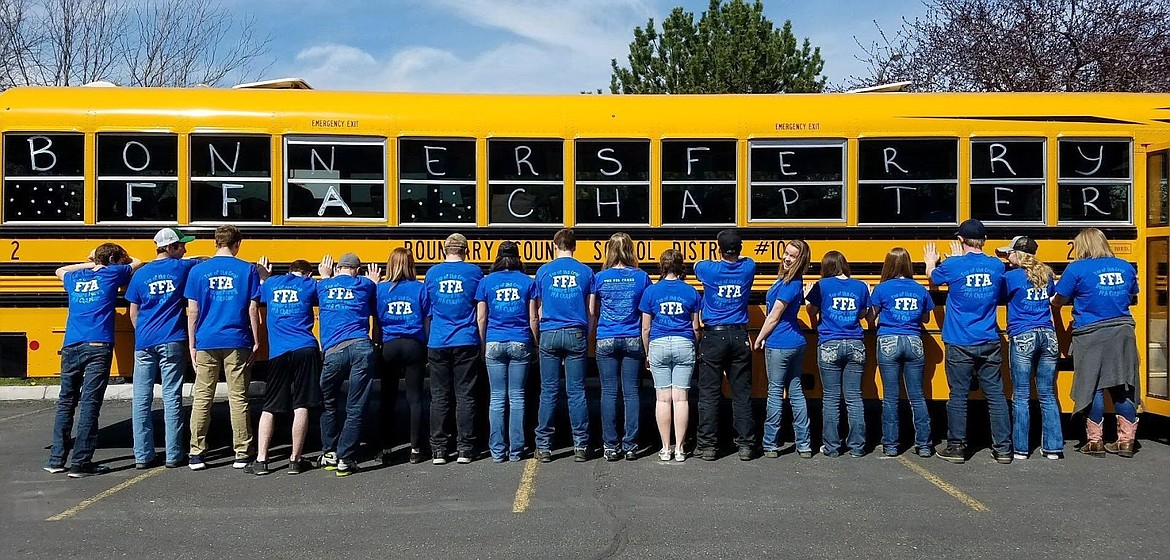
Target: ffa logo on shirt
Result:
[[340, 293], [564, 281], [670, 308], [450, 286], [730, 291], [399, 308], [508, 294], [1111, 279], [221, 283], [86, 286], [844, 304], [906, 304], [978, 280], [285, 296], [159, 287], [1037, 294]]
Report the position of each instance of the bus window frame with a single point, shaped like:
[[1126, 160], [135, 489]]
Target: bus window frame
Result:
[[460, 182], [1132, 160], [649, 183], [488, 181], [733, 183], [192, 178], [958, 181], [347, 139], [4, 178], [780, 142], [1049, 190], [97, 176]]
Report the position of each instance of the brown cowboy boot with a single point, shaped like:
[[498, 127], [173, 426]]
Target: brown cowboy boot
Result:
[[1126, 434], [1094, 447]]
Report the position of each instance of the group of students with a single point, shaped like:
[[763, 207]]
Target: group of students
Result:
[[399, 328]]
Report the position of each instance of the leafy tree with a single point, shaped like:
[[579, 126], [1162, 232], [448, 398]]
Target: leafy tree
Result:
[[1027, 45], [733, 48]]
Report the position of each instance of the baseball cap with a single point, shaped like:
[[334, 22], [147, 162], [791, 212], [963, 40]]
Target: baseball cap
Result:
[[972, 229], [167, 236], [729, 242], [509, 249], [1020, 243], [349, 260], [455, 241]]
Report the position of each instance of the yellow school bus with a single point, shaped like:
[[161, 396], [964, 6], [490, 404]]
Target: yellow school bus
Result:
[[306, 173]]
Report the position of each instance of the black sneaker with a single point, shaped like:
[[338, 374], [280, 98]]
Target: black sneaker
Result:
[[747, 453], [706, 453], [87, 469], [439, 459], [925, 451], [258, 468], [147, 465], [612, 455], [195, 463], [464, 458], [543, 455], [580, 455], [631, 454], [416, 457], [1001, 458], [175, 464], [954, 453], [327, 461], [890, 451], [299, 466], [345, 467]]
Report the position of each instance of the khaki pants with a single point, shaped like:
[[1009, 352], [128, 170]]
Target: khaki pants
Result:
[[208, 364]]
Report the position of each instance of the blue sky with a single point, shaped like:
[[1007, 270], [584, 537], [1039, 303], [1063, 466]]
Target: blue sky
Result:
[[521, 46]]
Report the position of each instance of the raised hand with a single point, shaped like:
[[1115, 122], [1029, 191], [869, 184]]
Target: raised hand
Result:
[[263, 268], [956, 249], [930, 253], [326, 266], [374, 272]]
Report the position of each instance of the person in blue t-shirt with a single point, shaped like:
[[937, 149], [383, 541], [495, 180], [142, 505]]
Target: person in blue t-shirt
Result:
[[1027, 292], [901, 305], [565, 320], [619, 353], [782, 339], [223, 334], [670, 324], [1101, 287], [971, 336], [725, 348], [452, 350], [293, 385], [86, 354], [403, 308], [347, 302], [506, 314], [156, 301], [836, 306]]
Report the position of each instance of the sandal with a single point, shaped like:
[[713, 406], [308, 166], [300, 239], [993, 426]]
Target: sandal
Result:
[[665, 454]]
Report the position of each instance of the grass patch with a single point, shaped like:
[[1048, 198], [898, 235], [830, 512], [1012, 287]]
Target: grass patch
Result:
[[30, 382]]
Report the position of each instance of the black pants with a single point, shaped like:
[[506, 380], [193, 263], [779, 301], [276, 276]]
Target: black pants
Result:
[[725, 351], [453, 372], [403, 358]]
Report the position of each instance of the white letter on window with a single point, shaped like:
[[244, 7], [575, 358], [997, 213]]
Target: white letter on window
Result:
[[333, 199], [898, 194], [34, 151], [619, 164], [226, 199], [1090, 203], [617, 201], [999, 157], [691, 160], [687, 196], [1100, 159], [785, 166], [215, 155], [131, 199], [513, 212], [784, 192], [428, 149], [889, 154], [126, 155], [315, 157], [999, 202], [524, 160]]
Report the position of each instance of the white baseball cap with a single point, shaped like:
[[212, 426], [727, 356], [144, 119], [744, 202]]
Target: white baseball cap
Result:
[[167, 236]]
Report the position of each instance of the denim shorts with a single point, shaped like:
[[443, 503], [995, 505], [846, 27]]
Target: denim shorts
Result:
[[672, 359]]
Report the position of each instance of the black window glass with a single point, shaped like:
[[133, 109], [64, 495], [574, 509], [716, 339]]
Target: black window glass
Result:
[[42, 200], [231, 201], [613, 204], [907, 160], [1008, 202], [611, 160], [335, 161], [698, 204], [142, 200], [142, 155], [451, 160], [1007, 159], [526, 204], [900, 203], [698, 160], [1094, 202], [335, 200], [797, 202], [436, 203], [44, 155], [231, 156], [1094, 159], [526, 160], [798, 163]]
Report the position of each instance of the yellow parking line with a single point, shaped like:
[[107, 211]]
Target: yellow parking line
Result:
[[944, 486], [91, 501], [527, 487]]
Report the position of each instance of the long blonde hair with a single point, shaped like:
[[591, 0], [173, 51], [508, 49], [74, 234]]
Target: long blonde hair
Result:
[[620, 250], [1039, 274], [897, 264], [400, 265], [799, 267], [1090, 243]]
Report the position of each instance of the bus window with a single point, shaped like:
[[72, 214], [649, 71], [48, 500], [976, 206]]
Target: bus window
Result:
[[1095, 180], [1157, 296], [231, 178], [436, 181], [1008, 180], [335, 178], [526, 181], [44, 178], [907, 181], [698, 182], [797, 180], [137, 177], [613, 182], [1157, 203]]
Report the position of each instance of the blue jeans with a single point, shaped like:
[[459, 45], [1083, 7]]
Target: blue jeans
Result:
[[85, 372], [567, 346], [842, 363], [164, 362], [341, 425], [1122, 404], [784, 373], [963, 364], [507, 368], [1037, 350], [902, 359], [619, 362]]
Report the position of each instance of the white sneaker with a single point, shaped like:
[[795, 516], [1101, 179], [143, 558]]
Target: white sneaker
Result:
[[665, 454], [1019, 456], [680, 455], [439, 460], [328, 461]]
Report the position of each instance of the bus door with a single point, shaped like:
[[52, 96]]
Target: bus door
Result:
[[1157, 295]]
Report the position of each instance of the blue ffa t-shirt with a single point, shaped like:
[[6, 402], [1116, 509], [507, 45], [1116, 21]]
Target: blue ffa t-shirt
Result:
[[402, 306], [900, 303], [347, 303], [1099, 289], [507, 293], [787, 334], [726, 288], [223, 287], [289, 300], [670, 304], [564, 285], [618, 290], [843, 302], [157, 289], [1028, 307], [973, 281], [451, 289], [92, 295]]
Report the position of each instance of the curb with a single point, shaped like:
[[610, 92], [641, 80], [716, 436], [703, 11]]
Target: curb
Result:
[[121, 392]]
